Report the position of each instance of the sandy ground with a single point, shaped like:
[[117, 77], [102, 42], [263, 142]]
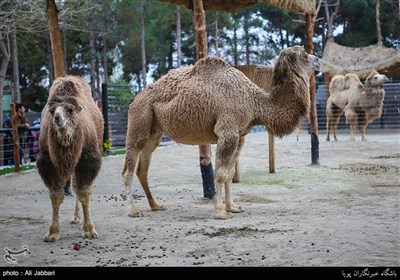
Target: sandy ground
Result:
[[344, 212]]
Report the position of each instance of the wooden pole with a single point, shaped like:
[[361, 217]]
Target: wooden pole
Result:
[[271, 148], [55, 38], [14, 122], [200, 28], [313, 109]]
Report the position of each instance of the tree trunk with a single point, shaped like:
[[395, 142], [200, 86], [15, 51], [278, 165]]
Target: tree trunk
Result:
[[64, 40], [55, 38], [106, 7], [378, 23], [247, 36], [235, 45], [50, 60], [178, 37], [143, 44], [313, 109], [216, 35], [14, 57], [331, 18], [92, 52]]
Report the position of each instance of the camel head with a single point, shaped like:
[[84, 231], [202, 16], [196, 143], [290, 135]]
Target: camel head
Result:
[[294, 59], [64, 111], [376, 79]]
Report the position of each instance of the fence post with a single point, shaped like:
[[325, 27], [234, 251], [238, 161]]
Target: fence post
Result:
[[104, 99], [14, 122]]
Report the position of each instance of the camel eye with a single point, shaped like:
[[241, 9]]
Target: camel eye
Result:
[[69, 110], [375, 78]]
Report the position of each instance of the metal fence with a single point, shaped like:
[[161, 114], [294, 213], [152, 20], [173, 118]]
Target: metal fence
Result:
[[116, 100]]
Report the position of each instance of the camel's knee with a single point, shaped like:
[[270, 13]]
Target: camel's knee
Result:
[[222, 175]]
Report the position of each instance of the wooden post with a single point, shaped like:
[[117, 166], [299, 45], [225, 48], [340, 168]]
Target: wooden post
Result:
[[271, 148], [14, 122], [200, 28], [55, 38], [313, 109]]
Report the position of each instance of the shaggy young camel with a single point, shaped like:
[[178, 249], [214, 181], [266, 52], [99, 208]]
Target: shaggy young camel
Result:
[[212, 102], [367, 106], [70, 143], [361, 104], [341, 89]]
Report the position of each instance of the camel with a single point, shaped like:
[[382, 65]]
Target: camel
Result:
[[367, 106], [341, 88], [70, 148], [345, 89], [212, 102]]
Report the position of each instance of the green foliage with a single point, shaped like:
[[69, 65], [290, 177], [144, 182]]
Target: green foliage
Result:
[[118, 23], [120, 95]]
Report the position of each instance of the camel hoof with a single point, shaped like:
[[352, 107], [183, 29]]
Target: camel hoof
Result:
[[91, 235], [223, 215], [235, 209], [135, 215], [158, 207], [51, 237], [76, 220]]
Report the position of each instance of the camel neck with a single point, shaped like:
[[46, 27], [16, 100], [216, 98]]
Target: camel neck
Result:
[[288, 102]]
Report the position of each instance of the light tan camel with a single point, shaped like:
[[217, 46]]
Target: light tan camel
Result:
[[212, 102], [367, 106], [70, 139], [361, 103], [342, 88]]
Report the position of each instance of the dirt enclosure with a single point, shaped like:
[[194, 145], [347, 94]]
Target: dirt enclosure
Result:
[[344, 212]]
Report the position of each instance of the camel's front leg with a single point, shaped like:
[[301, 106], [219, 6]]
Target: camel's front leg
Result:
[[88, 230], [57, 197], [352, 132]]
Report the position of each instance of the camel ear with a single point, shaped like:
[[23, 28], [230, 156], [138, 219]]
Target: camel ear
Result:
[[79, 108]]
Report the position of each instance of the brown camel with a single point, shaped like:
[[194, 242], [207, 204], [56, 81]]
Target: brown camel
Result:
[[367, 105], [212, 102], [70, 139]]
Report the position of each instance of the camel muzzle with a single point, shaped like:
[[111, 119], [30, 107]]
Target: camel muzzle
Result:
[[315, 61]]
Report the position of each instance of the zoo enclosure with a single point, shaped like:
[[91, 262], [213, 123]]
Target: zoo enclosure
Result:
[[116, 99]]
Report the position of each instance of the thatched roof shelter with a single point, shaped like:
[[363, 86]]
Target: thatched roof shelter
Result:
[[339, 60], [302, 6]]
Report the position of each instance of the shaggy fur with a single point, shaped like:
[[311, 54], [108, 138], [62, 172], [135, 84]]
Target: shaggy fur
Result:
[[342, 89], [70, 139], [349, 89], [212, 102], [367, 106]]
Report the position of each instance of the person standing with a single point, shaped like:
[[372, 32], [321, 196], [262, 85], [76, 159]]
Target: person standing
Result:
[[23, 125]]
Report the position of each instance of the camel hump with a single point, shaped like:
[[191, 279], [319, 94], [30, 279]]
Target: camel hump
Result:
[[209, 61]]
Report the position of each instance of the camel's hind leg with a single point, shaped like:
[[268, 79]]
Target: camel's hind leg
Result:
[[333, 114], [230, 205], [143, 168], [224, 170], [76, 218]]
